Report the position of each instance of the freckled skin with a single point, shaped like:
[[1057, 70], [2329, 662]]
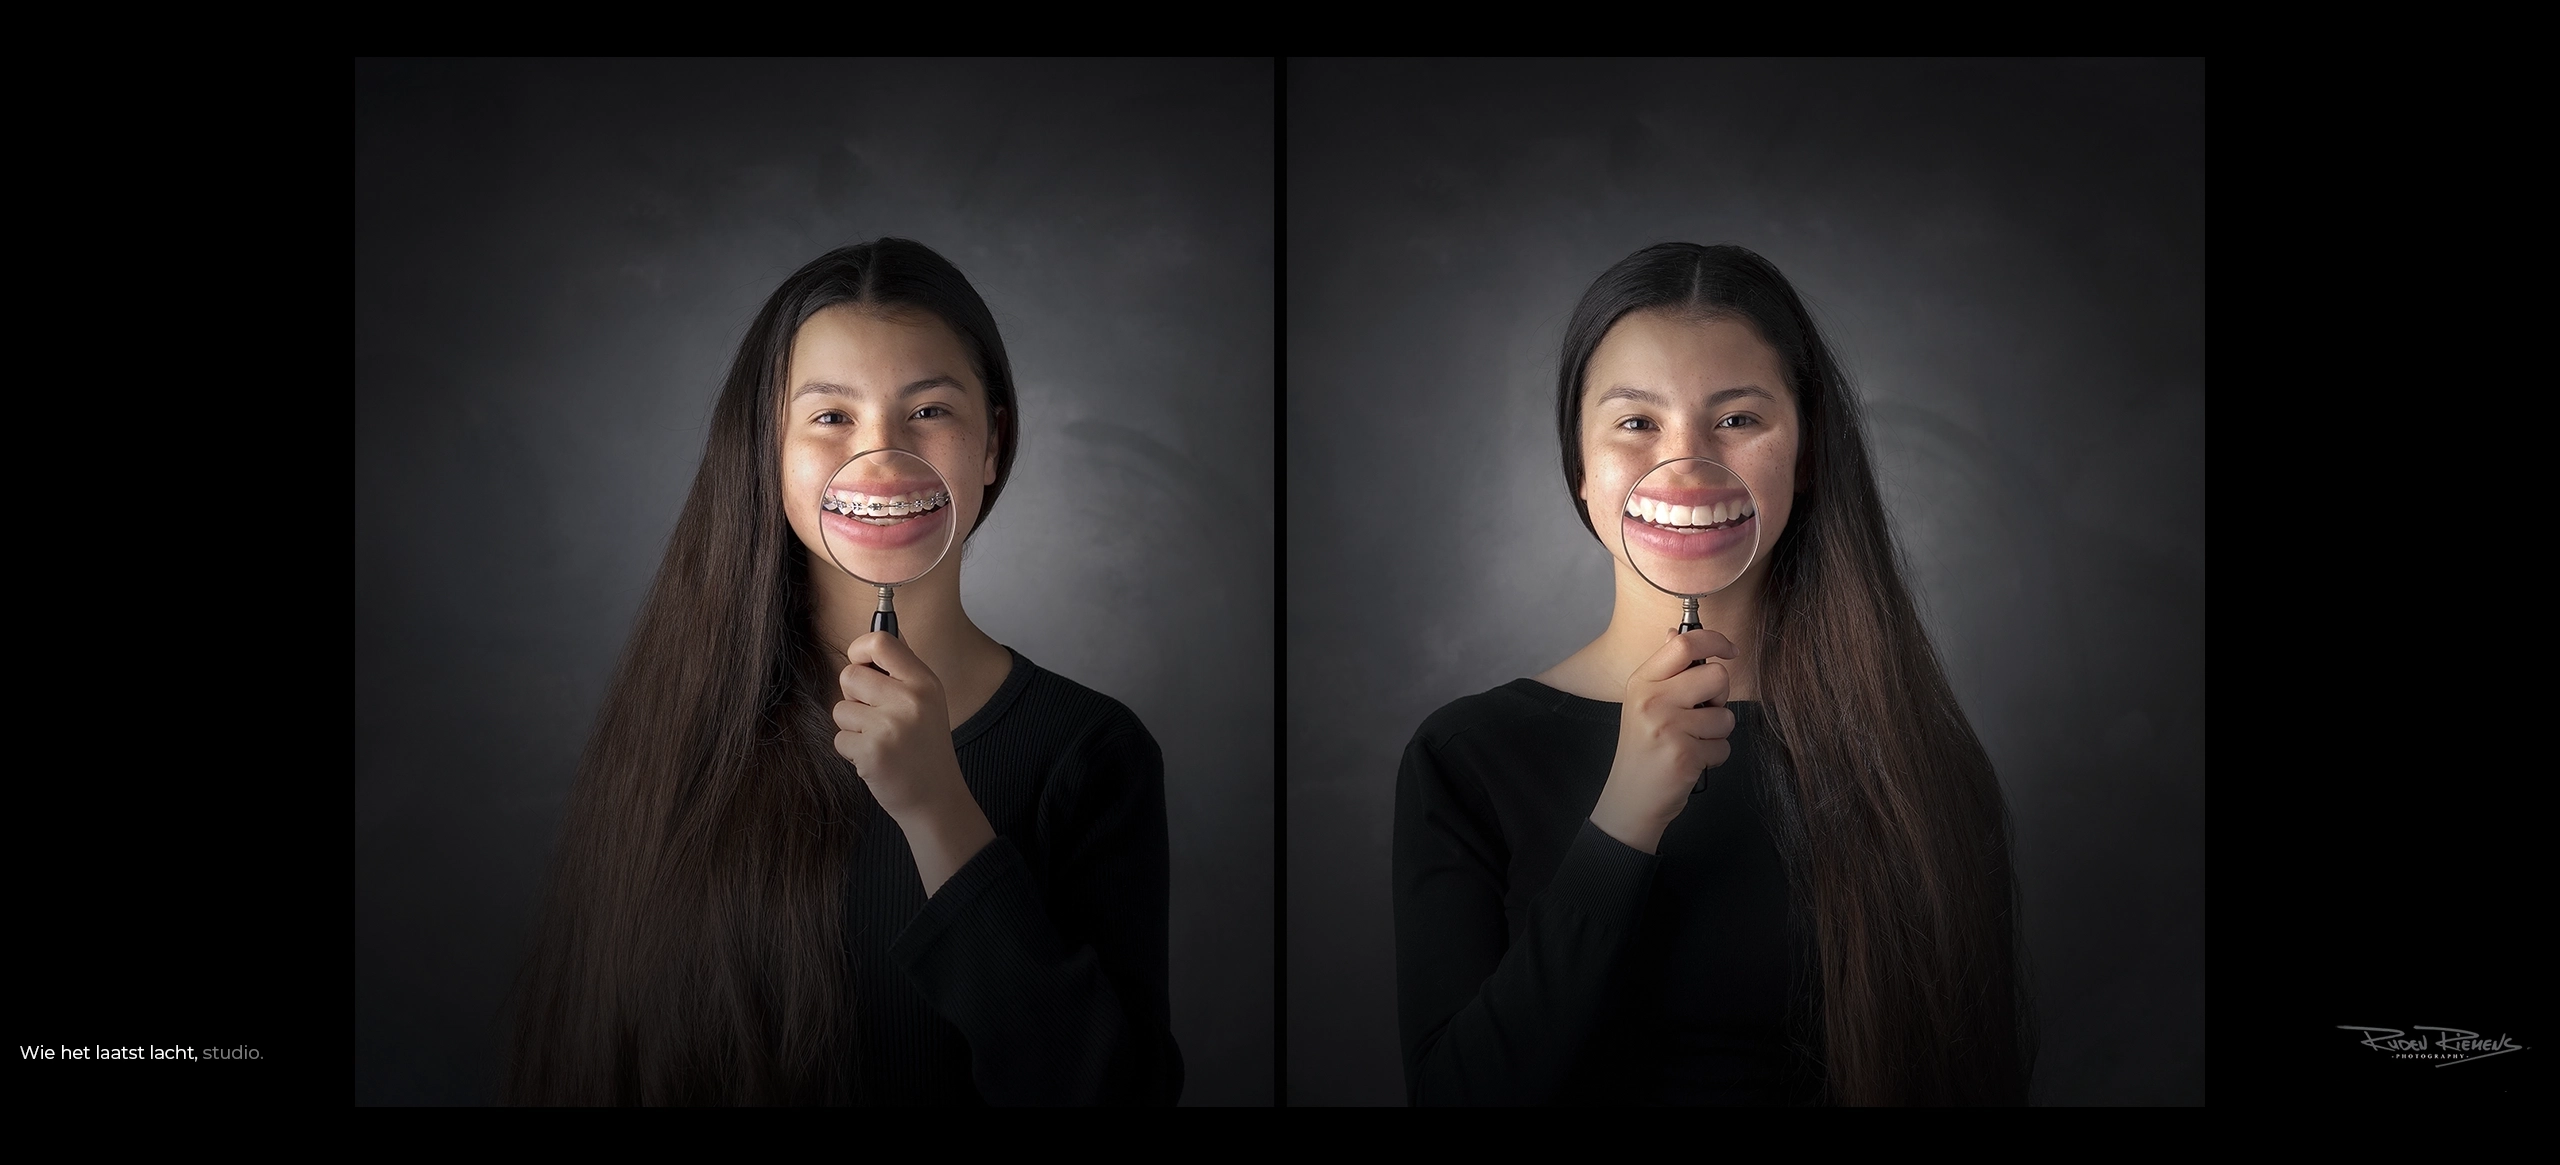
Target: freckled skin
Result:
[[1665, 739]]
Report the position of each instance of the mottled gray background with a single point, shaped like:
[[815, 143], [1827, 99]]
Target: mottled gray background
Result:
[[554, 263], [2009, 256]]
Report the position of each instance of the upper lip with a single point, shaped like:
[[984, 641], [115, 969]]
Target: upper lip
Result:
[[885, 489], [1693, 495]]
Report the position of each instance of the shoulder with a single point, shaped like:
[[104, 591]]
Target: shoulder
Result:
[[1067, 715], [1488, 716]]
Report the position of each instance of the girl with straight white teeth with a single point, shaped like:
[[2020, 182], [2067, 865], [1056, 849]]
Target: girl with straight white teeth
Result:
[[807, 862], [1829, 915]]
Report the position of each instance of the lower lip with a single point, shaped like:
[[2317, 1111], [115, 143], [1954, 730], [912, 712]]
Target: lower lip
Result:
[[863, 535], [1652, 539]]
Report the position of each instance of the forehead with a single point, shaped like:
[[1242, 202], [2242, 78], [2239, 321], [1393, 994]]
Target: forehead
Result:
[[864, 349], [1681, 356]]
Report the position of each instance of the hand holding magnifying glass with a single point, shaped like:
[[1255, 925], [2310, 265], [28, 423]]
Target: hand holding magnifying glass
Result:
[[887, 519], [1690, 528]]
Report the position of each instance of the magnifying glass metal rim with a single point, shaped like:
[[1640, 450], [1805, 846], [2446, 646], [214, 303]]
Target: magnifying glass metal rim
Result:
[[1688, 601], [885, 617]]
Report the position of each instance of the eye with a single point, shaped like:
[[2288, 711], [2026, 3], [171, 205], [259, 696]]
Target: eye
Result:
[[830, 417], [930, 411], [1737, 421], [1636, 424]]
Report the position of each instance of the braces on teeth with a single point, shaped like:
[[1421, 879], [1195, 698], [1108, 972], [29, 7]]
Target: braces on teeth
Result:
[[1688, 517], [881, 510]]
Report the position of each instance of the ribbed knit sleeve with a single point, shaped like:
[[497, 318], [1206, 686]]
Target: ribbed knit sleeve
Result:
[[1488, 1020], [1054, 969]]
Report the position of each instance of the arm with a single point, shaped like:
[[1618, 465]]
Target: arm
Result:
[[1486, 1021], [1060, 988]]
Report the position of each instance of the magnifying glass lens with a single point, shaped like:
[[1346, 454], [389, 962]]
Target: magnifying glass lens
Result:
[[1690, 527], [887, 517]]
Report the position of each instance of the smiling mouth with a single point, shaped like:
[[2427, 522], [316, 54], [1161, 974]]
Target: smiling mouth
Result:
[[883, 509], [1698, 519]]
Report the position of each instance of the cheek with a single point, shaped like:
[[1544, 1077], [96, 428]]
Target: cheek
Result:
[[1773, 482], [1605, 479], [805, 472], [1605, 493], [801, 477]]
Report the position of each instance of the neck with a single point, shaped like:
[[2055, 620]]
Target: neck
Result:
[[1642, 618], [969, 662]]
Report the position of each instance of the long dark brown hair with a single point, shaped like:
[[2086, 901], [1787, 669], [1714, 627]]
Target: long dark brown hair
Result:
[[1885, 805], [690, 948]]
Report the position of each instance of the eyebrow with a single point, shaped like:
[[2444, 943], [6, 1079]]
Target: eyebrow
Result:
[[1649, 396], [927, 384]]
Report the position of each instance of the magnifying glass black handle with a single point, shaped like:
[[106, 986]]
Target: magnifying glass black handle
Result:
[[885, 619]]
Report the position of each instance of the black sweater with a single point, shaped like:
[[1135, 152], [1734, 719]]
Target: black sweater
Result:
[[1540, 961], [1036, 975]]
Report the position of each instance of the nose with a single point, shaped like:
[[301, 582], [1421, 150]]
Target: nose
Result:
[[1689, 465], [878, 430], [1684, 441]]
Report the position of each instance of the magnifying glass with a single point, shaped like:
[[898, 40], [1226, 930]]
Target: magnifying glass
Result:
[[886, 518], [1690, 527]]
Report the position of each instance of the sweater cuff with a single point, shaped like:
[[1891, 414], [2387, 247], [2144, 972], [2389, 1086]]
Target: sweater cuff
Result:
[[987, 917], [1602, 878]]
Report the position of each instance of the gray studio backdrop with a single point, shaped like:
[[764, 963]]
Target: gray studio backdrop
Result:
[[554, 263], [2010, 257]]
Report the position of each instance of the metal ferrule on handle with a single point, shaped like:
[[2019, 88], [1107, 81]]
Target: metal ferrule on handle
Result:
[[885, 616]]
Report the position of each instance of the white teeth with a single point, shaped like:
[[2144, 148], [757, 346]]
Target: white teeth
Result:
[[1662, 513], [891, 507]]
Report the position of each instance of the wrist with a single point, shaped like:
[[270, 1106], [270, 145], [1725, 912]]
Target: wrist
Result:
[[1635, 826], [962, 828], [943, 813], [944, 835]]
